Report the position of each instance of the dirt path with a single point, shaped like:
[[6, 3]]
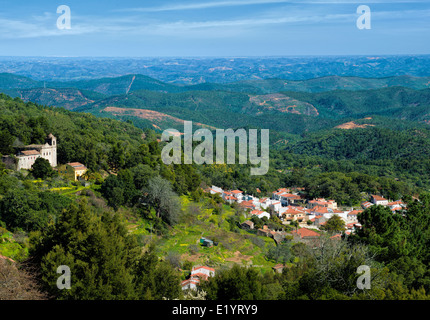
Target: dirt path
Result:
[[129, 87]]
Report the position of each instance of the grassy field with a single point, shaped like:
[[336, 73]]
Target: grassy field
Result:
[[235, 246], [10, 247], [238, 246]]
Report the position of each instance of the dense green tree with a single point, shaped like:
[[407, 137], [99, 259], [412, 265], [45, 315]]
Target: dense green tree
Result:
[[42, 169], [154, 279], [6, 141], [98, 250], [237, 283], [113, 190], [335, 224], [19, 209]]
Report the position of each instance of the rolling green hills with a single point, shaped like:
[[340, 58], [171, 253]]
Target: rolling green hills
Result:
[[284, 106]]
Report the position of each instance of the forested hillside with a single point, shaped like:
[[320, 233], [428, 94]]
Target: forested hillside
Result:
[[147, 216]]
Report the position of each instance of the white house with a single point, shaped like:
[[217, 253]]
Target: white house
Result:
[[260, 214], [375, 199], [197, 274], [190, 284], [215, 189], [202, 272], [275, 206]]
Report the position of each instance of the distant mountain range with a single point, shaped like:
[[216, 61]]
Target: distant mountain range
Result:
[[281, 105], [193, 70]]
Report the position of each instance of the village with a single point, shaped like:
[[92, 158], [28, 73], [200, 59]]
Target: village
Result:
[[292, 208], [291, 205]]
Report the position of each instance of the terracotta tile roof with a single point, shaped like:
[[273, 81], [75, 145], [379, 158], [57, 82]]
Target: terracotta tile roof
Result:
[[30, 152], [230, 198], [319, 209], [190, 281], [257, 212], [366, 204], [378, 198], [75, 164], [236, 191], [247, 204], [290, 196], [304, 232], [354, 212], [398, 202], [204, 267]]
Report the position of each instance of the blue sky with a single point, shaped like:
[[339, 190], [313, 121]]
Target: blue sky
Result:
[[131, 28]]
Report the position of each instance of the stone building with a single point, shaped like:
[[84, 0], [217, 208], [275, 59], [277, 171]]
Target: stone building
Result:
[[27, 155]]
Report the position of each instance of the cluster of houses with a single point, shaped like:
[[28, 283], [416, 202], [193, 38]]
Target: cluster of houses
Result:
[[378, 200], [28, 154], [291, 205]]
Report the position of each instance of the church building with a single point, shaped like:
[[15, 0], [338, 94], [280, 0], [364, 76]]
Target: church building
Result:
[[27, 155]]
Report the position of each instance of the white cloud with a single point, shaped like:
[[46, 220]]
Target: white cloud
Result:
[[127, 24], [230, 3], [203, 5]]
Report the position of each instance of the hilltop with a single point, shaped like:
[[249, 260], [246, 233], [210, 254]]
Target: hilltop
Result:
[[253, 103]]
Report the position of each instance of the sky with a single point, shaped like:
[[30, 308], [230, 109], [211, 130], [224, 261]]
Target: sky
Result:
[[203, 28]]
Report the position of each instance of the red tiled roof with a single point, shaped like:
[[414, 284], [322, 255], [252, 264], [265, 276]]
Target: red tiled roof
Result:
[[354, 212], [204, 267], [230, 198], [193, 281], [30, 152], [257, 212], [304, 232], [289, 195], [247, 204], [236, 191], [398, 202], [378, 198], [77, 165], [319, 209]]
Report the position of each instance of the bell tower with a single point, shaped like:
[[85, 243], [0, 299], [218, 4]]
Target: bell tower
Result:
[[51, 140]]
